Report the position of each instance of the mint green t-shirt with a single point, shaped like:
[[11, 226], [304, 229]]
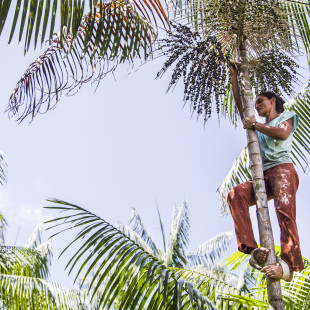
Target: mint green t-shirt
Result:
[[275, 152]]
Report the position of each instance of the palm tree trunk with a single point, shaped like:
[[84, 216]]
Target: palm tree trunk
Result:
[[264, 224]]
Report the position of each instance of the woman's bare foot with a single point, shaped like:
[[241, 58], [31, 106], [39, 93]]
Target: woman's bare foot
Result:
[[275, 272], [260, 254]]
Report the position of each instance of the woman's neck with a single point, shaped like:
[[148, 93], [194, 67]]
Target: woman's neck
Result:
[[271, 116]]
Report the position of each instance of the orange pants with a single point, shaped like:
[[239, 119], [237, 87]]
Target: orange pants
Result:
[[281, 184]]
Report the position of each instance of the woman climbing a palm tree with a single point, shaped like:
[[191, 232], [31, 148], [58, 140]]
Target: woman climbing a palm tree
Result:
[[281, 180]]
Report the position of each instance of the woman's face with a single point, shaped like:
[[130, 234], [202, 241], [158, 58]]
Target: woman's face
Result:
[[264, 106]]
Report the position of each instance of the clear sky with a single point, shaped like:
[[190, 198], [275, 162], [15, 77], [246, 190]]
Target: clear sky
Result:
[[127, 145]]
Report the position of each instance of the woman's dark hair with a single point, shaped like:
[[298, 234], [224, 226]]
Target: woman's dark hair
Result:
[[279, 101]]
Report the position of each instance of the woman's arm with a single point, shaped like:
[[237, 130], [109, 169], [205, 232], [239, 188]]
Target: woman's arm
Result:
[[235, 90], [281, 133]]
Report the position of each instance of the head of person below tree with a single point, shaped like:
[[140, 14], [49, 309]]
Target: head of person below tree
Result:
[[265, 101]]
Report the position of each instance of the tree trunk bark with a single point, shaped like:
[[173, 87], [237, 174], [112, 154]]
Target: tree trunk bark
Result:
[[264, 224]]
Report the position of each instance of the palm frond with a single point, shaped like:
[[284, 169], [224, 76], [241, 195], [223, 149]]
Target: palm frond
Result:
[[211, 250], [26, 262], [133, 235], [251, 303], [35, 238], [300, 105], [218, 271], [140, 229], [38, 18], [179, 237], [239, 173], [22, 292], [295, 293], [3, 169], [228, 107], [149, 284], [3, 224], [300, 11], [118, 33], [217, 282], [162, 230], [34, 17]]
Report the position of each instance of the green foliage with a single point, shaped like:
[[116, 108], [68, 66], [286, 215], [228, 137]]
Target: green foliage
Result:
[[125, 267], [295, 294], [300, 105], [23, 278], [38, 18]]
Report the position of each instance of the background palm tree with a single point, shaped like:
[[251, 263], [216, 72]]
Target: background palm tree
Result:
[[128, 271], [125, 267], [23, 277]]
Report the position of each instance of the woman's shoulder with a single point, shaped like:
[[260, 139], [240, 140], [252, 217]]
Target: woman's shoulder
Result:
[[284, 116]]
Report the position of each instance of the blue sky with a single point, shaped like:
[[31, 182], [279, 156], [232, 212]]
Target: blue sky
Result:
[[126, 145]]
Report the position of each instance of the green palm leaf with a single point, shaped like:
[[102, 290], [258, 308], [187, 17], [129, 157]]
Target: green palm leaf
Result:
[[3, 224], [300, 11], [295, 293], [133, 235], [140, 229], [239, 173], [179, 237], [26, 262], [39, 17], [300, 105], [119, 266], [211, 250], [22, 292], [35, 238]]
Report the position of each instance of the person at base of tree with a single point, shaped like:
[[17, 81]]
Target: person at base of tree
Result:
[[281, 180]]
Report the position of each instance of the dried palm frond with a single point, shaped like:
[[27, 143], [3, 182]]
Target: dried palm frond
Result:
[[117, 33], [123, 272]]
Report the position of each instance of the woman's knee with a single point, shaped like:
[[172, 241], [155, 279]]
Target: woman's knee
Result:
[[233, 195], [241, 193]]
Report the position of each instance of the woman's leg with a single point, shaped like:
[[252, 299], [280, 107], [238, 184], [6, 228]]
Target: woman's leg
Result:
[[239, 200], [283, 180]]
